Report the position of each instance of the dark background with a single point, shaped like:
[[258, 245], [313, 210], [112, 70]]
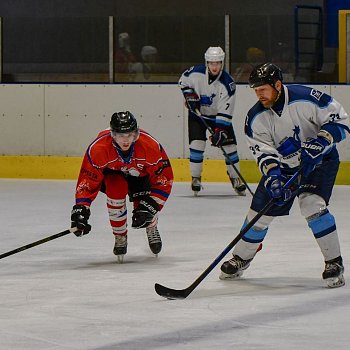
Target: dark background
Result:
[[65, 36]]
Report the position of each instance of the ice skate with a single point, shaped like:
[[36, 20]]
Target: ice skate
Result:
[[196, 185], [238, 186], [154, 240], [120, 247], [234, 268], [333, 273]]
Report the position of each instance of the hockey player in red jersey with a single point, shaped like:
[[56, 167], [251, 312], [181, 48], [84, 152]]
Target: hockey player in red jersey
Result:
[[124, 160]]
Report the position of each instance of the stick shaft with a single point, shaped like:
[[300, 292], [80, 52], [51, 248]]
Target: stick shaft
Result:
[[224, 152], [183, 293], [33, 244]]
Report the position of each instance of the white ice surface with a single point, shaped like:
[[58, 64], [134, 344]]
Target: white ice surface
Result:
[[70, 293]]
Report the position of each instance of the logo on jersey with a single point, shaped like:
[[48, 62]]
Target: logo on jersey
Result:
[[289, 147], [130, 171], [316, 94], [207, 100], [232, 86]]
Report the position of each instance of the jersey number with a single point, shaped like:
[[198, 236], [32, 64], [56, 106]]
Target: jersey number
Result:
[[254, 149], [334, 116]]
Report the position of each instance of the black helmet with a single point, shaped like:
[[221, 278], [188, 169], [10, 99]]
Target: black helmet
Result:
[[267, 73], [123, 122]]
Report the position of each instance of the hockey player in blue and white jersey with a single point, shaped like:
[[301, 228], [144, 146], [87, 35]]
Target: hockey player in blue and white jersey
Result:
[[210, 91], [291, 127]]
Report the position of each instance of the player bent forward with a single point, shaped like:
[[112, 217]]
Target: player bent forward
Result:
[[286, 124], [124, 160]]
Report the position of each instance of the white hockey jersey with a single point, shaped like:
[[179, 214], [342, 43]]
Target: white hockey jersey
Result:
[[217, 97], [272, 137]]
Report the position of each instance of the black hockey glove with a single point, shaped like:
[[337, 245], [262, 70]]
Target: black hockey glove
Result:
[[219, 137], [144, 213], [192, 99], [80, 216]]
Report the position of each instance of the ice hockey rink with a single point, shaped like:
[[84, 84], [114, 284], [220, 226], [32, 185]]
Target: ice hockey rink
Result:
[[70, 293]]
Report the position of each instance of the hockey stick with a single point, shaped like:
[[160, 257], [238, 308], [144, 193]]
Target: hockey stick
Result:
[[183, 293], [41, 241], [223, 151]]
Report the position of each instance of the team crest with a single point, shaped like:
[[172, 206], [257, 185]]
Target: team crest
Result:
[[316, 94], [130, 171], [232, 86]]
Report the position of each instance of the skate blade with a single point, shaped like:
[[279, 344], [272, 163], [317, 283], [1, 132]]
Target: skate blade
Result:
[[225, 276], [195, 193], [335, 282]]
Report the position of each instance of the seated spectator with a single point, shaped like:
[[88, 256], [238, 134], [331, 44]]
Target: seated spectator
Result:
[[124, 58], [254, 56]]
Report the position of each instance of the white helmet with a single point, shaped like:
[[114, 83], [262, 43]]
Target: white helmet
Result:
[[148, 51], [123, 40], [214, 54]]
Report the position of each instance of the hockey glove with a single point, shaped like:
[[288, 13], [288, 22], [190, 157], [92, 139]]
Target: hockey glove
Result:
[[312, 152], [219, 137], [80, 216], [192, 99], [274, 186], [144, 213]]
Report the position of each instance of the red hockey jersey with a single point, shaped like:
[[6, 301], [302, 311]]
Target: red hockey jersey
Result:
[[146, 158]]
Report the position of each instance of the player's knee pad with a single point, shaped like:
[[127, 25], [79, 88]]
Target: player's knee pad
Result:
[[262, 223], [322, 224], [197, 145], [257, 233], [117, 210], [232, 148], [311, 204], [197, 148], [232, 154]]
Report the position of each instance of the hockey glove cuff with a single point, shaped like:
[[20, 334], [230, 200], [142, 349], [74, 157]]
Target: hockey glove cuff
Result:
[[312, 152], [79, 217], [144, 213], [192, 99]]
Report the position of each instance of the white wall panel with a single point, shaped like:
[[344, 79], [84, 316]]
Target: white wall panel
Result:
[[62, 119], [75, 114], [21, 119]]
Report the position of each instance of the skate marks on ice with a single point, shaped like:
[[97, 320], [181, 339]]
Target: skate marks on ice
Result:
[[259, 326], [264, 286]]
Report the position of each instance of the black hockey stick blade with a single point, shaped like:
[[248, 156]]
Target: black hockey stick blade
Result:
[[172, 294]]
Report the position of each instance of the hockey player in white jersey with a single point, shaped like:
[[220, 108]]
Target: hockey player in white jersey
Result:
[[291, 127], [210, 90]]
